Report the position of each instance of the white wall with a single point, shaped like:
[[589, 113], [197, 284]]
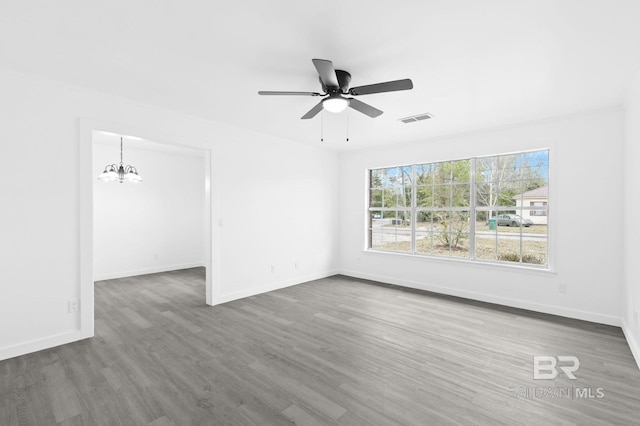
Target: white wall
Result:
[[585, 161], [153, 226], [631, 298], [281, 222], [266, 190]]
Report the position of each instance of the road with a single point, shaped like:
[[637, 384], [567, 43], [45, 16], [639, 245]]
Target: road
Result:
[[384, 233]]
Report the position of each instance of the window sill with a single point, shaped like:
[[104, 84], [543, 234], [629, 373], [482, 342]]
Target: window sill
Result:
[[476, 263]]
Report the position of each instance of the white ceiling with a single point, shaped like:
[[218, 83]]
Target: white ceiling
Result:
[[474, 64]]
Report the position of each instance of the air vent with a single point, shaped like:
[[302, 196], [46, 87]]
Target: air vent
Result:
[[414, 118]]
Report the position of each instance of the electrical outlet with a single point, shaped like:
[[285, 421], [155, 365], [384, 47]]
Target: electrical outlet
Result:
[[562, 288], [295, 264], [74, 306], [273, 268]]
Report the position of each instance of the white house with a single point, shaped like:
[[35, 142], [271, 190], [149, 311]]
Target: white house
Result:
[[539, 198]]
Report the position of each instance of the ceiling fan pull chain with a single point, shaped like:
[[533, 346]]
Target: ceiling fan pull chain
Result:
[[347, 127], [322, 127]]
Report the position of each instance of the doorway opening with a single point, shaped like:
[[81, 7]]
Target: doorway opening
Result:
[[132, 229]]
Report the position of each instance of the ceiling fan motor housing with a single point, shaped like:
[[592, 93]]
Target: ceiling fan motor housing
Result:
[[344, 79]]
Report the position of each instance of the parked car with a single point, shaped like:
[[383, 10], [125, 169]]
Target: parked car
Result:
[[513, 220]]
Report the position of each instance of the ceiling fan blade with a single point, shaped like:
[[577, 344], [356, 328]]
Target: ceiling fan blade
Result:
[[327, 72], [389, 86], [313, 111], [271, 93], [366, 109]]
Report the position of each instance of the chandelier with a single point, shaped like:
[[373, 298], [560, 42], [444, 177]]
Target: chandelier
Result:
[[120, 173]]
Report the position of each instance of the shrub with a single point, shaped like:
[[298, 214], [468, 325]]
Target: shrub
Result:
[[453, 229], [526, 258]]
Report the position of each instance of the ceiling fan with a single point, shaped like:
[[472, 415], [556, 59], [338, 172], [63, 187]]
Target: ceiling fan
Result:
[[335, 85]]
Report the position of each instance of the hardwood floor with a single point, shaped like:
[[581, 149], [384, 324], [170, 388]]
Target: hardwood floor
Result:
[[333, 351]]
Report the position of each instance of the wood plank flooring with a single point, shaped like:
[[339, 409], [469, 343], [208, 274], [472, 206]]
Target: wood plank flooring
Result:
[[336, 351]]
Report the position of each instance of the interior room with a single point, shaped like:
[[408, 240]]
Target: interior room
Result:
[[151, 228], [261, 213]]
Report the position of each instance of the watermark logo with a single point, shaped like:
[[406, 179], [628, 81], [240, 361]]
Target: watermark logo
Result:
[[568, 392], [546, 367], [550, 367]]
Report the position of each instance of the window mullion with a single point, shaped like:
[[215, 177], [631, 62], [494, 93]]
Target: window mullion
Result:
[[413, 209], [472, 210]]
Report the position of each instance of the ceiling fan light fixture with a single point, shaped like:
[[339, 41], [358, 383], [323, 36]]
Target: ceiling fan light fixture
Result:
[[335, 104]]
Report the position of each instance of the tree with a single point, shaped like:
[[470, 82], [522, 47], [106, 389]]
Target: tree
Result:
[[500, 178], [391, 188]]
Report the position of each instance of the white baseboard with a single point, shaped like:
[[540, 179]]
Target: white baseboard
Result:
[[145, 271], [634, 345], [482, 297], [228, 297], [39, 344]]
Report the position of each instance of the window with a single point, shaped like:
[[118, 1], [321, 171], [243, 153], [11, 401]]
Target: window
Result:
[[390, 204], [538, 204], [443, 208], [474, 209]]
